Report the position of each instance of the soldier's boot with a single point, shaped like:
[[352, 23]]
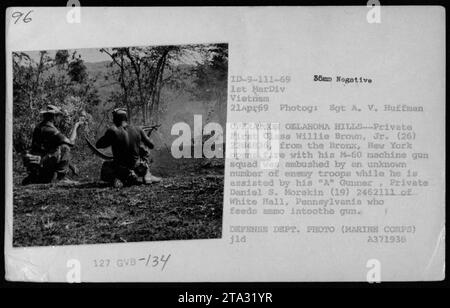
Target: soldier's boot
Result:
[[131, 179], [149, 178], [63, 179], [67, 181]]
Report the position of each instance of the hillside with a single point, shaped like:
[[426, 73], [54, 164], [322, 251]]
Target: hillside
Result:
[[92, 212]]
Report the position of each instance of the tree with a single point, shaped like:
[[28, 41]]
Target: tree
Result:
[[77, 69], [62, 57], [117, 56], [140, 71], [57, 81], [211, 78]]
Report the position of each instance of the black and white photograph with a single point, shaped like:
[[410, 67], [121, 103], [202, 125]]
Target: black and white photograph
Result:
[[118, 144], [253, 144]]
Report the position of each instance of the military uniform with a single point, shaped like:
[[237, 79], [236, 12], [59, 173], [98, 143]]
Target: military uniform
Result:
[[50, 155]]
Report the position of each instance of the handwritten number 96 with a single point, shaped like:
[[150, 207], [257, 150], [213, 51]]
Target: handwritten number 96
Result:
[[19, 15]]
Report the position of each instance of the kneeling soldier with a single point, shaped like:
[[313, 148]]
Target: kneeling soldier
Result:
[[49, 159], [130, 163]]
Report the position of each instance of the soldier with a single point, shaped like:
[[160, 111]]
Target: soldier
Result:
[[49, 159], [130, 163]]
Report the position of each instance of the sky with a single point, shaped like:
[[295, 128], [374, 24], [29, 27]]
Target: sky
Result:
[[94, 55], [88, 54]]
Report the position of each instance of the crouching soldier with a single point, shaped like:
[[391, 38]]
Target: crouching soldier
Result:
[[130, 165], [49, 158]]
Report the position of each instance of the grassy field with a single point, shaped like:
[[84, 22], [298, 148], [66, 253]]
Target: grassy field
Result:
[[187, 204]]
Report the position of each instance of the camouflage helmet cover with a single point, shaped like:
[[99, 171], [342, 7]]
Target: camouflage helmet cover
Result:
[[52, 109]]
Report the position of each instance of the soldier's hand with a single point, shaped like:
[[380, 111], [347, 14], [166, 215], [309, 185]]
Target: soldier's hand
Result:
[[81, 122], [31, 159]]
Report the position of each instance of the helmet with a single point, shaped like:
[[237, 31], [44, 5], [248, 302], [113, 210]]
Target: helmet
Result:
[[52, 109]]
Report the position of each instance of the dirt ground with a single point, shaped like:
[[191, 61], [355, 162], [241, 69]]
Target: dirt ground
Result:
[[187, 204]]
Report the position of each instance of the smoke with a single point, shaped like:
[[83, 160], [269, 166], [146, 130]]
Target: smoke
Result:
[[182, 109]]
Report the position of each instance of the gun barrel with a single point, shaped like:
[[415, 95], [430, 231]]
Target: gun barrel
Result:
[[151, 127]]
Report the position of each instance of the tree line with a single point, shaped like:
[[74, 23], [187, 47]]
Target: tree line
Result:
[[137, 75]]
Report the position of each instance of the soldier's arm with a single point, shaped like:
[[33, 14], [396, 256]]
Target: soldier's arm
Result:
[[73, 135], [58, 138], [61, 139], [146, 140], [104, 141]]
